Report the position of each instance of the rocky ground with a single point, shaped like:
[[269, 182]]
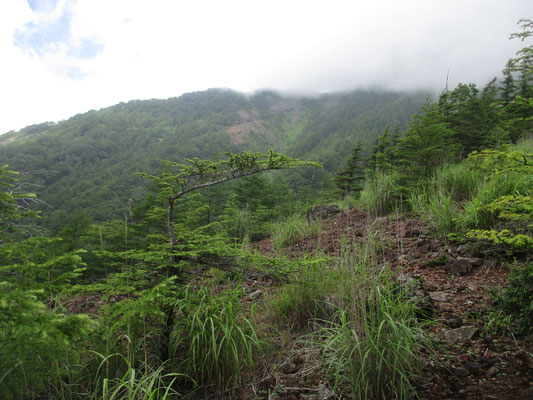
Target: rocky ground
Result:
[[474, 359]]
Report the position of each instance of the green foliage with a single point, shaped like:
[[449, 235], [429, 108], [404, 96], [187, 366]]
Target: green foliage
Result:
[[212, 341], [517, 299], [37, 344], [427, 144], [307, 297], [371, 347], [150, 384], [471, 116], [351, 175], [91, 159], [14, 204], [39, 263], [506, 207], [382, 194], [383, 157], [296, 227]]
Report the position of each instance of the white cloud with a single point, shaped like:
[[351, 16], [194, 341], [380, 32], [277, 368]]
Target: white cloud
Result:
[[162, 48]]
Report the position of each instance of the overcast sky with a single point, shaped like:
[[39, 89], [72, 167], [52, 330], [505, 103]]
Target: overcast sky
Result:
[[64, 57]]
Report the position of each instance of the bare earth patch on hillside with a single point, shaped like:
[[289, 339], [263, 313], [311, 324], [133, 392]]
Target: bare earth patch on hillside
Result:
[[474, 363]]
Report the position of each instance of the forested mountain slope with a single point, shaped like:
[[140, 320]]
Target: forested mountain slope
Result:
[[89, 161]]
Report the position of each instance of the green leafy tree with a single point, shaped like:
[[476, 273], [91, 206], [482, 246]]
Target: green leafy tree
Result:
[[197, 174]]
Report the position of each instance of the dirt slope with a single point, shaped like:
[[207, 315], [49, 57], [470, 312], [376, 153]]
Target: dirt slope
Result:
[[475, 362]]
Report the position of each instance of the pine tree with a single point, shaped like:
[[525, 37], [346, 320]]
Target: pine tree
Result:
[[350, 177]]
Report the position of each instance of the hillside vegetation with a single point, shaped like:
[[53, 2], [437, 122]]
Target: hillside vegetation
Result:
[[89, 162], [222, 281]]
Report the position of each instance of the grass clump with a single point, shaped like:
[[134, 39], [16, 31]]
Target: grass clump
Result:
[[307, 298], [372, 348], [213, 342], [296, 227], [136, 384], [381, 194]]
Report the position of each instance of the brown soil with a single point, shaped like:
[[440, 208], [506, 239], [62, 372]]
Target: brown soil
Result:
[[487, 366]]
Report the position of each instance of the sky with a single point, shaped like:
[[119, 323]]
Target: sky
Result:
[[65, 57]]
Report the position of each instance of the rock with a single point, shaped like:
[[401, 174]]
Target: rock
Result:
[[461, 266], [322, 212], [324, 393], [473, 367], [461, 372], [523, 360], [413, 289], [439, 296], [454, 321], [460, 335]]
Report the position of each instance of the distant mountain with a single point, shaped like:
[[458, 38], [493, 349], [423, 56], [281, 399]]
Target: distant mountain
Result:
[[89, 161]]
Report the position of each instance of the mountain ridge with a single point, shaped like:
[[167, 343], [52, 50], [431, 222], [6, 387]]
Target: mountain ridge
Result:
[[89, 161]]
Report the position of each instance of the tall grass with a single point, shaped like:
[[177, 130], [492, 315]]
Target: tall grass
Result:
[[372, 349], [213, 342], [475, 215], [438, 209], [363, 324], [296, 227], [372, 343], [307, 298], [455, 198], [381, 195], [137, 385]]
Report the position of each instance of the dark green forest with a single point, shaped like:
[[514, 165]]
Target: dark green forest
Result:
[[130, 257], [90, 161]]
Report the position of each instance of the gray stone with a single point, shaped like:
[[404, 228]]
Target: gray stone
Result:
[[413, 289], [460, 335], [463, 249], [476, 261], [324, 393], [439, 296], [492, 371]]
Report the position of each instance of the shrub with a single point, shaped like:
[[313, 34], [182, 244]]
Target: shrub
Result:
[[517, 299]]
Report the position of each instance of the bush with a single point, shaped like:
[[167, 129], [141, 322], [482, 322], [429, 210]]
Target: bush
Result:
[[517, 299]]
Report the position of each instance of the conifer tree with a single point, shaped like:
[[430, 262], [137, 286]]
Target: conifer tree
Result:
[[350, 177]]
